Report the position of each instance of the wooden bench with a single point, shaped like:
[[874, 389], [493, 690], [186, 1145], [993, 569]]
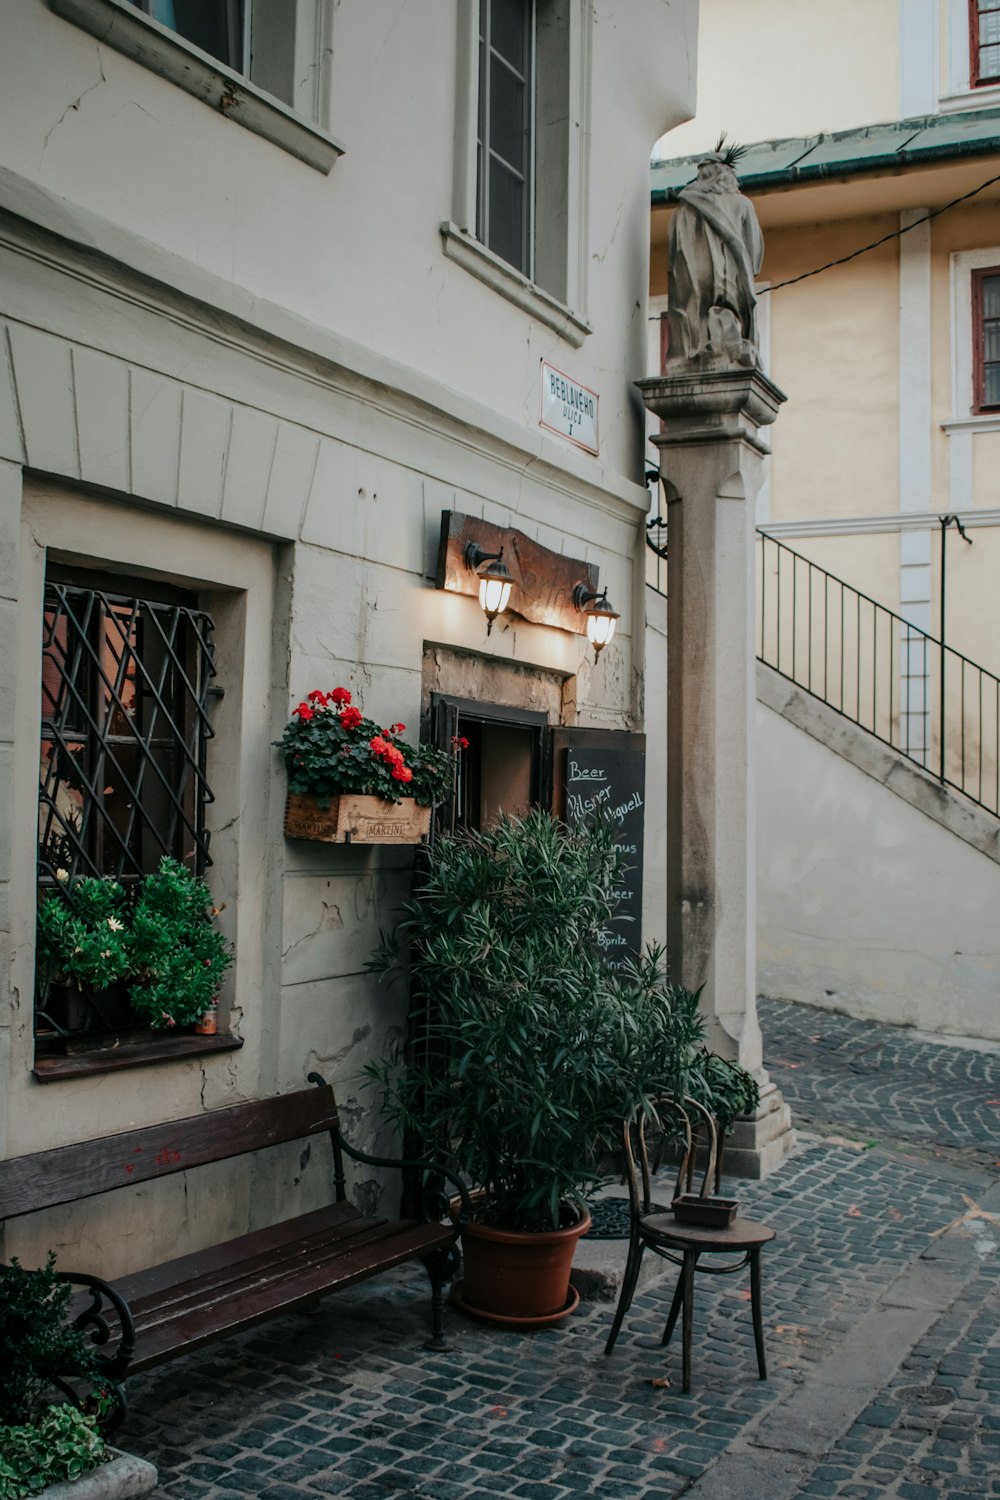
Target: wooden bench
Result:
[[195, 1299]]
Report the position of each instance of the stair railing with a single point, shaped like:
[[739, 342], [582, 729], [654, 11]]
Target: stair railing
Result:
[[881, 671]]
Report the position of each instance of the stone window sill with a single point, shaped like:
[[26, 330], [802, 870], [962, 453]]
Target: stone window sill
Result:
[[138, 36], [987, 421], [987, 96], [464, 248], [144, 1054]]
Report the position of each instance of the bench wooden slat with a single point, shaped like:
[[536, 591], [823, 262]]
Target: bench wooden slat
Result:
[[156, 1281], [230, 1315], [69, 1173], [246, 1262]]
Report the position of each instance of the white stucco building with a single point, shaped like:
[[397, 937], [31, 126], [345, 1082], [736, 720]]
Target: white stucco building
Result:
[[268, 308]]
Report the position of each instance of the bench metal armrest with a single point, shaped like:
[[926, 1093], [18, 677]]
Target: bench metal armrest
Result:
[[429, 1168], [106, 1306], [432, 1169]]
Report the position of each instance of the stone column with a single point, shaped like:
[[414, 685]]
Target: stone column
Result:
[[711, 462]]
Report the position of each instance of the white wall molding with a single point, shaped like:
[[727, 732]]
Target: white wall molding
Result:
[[914, 361], [872, 525], [919, 65], [958, 61]]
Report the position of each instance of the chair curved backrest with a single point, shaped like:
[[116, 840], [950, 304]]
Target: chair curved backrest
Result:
[[690, 1118]]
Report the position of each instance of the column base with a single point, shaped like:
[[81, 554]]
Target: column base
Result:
[[756, 1146]]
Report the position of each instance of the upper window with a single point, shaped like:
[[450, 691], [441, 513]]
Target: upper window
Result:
[[521, 168], [984, 33], [218, 27], [504, 146], [261, 63], [986, 338]]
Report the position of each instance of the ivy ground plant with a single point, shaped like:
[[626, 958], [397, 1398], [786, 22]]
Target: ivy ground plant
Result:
[[331, 749], [526, 1050]]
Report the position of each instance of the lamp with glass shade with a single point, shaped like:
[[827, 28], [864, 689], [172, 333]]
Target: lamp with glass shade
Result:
[[495, 581], [601, 616]]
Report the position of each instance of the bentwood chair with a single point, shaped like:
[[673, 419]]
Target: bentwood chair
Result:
[[653, 1228]]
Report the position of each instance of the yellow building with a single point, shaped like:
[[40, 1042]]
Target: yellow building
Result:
[[872, 130]]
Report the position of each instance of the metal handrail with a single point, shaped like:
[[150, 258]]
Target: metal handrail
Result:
[[930, 703]]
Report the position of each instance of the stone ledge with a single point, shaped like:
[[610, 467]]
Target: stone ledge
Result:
[[122, 1479]]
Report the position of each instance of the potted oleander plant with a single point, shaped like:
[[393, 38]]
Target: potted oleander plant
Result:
[[353, 780], [525, 1049]]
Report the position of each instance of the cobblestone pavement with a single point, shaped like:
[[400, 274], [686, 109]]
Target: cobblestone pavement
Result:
[[344, 1401], [883, 1082]]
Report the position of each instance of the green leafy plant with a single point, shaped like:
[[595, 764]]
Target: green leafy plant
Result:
[[527, 1050], [36, 1340], [725, 1088], [83, 932], [163, 943], [63, 1444], [179, 957], [331, 748]]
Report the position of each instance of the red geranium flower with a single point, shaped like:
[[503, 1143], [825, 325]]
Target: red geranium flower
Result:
[[317, 697], [460, 742], [350, 718], [304, 712], [402, 773], [377, 745], [340, 696]]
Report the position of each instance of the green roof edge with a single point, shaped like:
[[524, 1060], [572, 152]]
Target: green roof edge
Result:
[[800, 172]]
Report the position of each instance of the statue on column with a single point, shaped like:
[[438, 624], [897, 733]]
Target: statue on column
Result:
[[714, 254]]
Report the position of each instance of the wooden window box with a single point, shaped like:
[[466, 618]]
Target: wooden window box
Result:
[[356, 820]]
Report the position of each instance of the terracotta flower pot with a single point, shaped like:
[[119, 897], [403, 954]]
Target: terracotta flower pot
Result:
[[518, 1278]]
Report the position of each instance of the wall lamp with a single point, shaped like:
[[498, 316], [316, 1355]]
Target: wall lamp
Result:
[[601, 616], [495, 581]]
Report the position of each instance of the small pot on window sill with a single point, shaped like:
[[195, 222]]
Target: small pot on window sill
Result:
[[207, 1024]]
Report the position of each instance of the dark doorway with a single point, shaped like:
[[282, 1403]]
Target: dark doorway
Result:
[[506, 766]]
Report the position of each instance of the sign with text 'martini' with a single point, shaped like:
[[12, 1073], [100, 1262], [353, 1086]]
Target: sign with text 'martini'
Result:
[[568, 408]]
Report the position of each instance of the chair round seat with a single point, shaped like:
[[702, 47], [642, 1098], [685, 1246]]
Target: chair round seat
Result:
[[741, 1234]]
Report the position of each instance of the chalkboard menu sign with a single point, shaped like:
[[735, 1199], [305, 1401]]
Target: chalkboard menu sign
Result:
[[613, 780]]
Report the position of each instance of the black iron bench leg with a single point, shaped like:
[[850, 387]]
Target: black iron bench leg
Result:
[[440, 1265]]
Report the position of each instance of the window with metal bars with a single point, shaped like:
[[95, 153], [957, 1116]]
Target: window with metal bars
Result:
[[984, 31], [126, 682], [986, 338]]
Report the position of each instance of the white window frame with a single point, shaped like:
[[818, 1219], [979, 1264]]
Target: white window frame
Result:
[[294, 128], [235, 581], [565, 313], [963, 263], [961, 93]]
